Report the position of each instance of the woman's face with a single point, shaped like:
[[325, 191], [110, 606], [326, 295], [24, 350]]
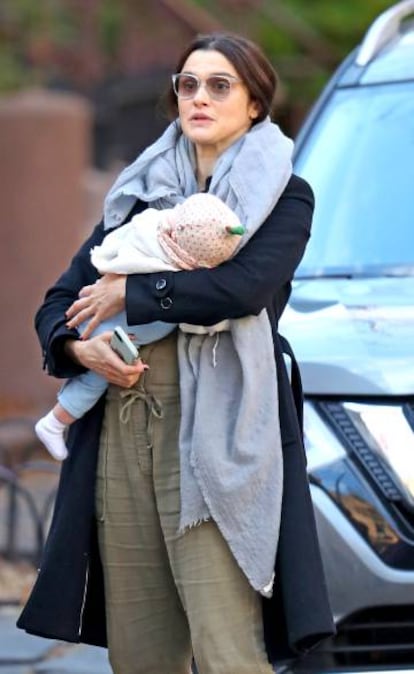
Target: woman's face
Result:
[[210, 124]]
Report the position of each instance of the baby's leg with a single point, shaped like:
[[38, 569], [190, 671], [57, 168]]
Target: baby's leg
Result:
[[76, 397], [63, 415], [50, 430]]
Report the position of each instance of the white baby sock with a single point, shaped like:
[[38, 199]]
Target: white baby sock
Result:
[[50, 431]]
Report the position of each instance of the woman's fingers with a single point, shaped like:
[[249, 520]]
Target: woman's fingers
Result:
[[82, 306], [96, 354], [81, 317], [125, 375], [87, 290], [90, 327], [97, 302]]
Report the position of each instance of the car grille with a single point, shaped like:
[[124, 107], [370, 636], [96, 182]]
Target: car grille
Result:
[[372, 637]]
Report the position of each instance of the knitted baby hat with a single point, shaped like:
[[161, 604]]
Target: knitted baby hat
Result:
[[200, 232]]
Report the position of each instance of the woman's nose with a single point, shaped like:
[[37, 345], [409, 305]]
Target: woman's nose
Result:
[[201, 95]]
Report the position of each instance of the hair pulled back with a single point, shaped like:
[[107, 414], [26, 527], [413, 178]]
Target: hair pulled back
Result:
[[249, 61]]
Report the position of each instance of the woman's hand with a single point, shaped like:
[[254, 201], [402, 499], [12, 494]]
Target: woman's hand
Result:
[[97, 302], [96, 354]]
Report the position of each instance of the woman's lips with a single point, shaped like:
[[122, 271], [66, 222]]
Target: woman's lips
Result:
[[200, 118]]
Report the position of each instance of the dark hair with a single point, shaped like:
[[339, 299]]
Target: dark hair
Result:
[[249, 61]]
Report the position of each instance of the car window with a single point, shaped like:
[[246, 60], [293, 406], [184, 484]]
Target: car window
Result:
[[359, 159]]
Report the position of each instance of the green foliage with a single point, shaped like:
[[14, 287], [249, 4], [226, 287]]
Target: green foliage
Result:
[[334, 26], [275, 42], [13, 75], [23, 24], [110, 23], [305, 39], [34, 33], [343, 22]]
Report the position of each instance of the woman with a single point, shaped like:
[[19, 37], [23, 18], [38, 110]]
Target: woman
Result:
[[172, 590]]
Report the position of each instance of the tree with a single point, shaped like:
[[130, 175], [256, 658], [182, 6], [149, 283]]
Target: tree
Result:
[[305, 39]]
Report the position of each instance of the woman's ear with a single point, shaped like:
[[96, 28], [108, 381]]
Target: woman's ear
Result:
[[254, 110]]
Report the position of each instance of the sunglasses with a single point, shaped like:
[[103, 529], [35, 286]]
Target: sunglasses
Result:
[[218, 86]]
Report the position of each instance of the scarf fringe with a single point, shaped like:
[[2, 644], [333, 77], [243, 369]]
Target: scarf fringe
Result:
[[192, 525], [267, 589]]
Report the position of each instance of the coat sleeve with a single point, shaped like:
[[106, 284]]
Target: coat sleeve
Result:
[[239, 287], [50, 318]]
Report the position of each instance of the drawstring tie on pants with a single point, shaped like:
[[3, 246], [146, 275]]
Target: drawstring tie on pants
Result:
[[153, 405]]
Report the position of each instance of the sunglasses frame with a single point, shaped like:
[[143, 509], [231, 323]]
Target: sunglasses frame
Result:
[[231, 79]]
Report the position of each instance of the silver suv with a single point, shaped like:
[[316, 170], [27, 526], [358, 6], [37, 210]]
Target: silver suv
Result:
[[351, 323]]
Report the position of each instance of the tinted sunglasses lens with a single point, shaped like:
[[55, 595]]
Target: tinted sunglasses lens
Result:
[[186, 86], [218, 87]]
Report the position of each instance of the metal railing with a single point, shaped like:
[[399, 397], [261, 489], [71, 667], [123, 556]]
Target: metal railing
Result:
[[25, 510]]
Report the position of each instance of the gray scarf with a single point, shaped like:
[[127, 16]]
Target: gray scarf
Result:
[[230, 444]]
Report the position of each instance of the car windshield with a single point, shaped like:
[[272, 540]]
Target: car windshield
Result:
[[359, 159]]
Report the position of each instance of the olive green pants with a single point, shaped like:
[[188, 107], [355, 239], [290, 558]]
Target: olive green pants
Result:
[[169, 596]]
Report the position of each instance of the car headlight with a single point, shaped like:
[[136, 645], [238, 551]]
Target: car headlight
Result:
[[379, 436], [388, 433], [321, 444]]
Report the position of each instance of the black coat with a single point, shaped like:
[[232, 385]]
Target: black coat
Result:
[[67, 601]]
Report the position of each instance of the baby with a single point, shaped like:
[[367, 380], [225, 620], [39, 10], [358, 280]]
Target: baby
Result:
[[199, 232]]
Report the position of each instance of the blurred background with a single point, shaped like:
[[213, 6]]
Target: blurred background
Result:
[[80, 82]]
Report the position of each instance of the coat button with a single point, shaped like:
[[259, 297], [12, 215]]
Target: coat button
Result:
[[166, 303], [161, 284]]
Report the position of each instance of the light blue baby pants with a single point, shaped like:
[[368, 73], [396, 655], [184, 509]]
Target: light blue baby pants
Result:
[[79, 394]]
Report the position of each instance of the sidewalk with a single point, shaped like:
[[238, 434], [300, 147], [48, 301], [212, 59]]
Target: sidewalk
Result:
[[21, 653], [24, 517]]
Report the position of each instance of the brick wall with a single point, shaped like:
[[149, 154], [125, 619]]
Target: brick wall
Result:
[[44, 155]]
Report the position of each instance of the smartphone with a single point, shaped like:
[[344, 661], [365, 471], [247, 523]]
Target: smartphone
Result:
[[123, 346]]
